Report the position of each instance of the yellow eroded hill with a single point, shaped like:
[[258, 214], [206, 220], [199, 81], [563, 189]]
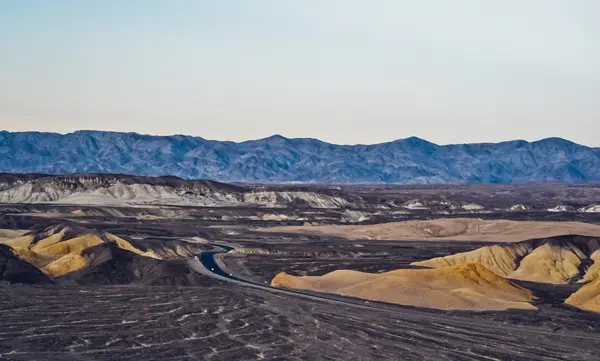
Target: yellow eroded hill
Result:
[[74, 245], [30, 256], [66, 264], [129, 247], [468, 286], [49, 241], [7, 234], [557, 260], [587, 297], [56, 254], [550, 264], [22, 242], [500, 259], [593, 272]]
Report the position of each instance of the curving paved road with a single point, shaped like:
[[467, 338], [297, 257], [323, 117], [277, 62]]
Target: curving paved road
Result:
[[209, 263]]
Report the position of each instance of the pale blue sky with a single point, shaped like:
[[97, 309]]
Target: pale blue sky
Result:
[[343, 71]]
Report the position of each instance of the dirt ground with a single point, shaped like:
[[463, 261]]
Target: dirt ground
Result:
[[456, 229]]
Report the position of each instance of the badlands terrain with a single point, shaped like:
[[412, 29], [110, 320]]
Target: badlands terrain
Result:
[[113, 267]]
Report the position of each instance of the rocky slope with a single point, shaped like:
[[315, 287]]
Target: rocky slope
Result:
[[13, 269], [278, 159], [120, 190], [356, 204]]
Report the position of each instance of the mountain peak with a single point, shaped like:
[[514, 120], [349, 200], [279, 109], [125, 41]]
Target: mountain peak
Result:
[[555, 140], [555, 143], [417, 140], [276, 137]]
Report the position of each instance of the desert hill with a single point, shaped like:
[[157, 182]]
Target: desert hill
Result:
[[587, 297], [56, 250], [123, 190], [13, 269], [71, 254], [467, 286], [108, 264], [562, 259], [115, 189], [112, 192], [460, 229]]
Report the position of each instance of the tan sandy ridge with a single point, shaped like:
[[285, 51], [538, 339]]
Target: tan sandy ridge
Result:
[[460, 229], [587, 297], [468, 286], [56, 254], [557, 260]]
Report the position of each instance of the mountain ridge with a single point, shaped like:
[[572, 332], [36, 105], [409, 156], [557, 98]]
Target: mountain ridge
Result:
[[277, 159], [279, 136]]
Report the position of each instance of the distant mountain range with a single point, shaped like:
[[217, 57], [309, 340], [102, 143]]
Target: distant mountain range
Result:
[[278, 159]]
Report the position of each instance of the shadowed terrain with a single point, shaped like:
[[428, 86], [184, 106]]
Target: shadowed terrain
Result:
[[13, 269]]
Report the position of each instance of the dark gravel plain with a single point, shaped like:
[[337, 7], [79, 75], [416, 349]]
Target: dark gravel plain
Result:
[[217, 320]]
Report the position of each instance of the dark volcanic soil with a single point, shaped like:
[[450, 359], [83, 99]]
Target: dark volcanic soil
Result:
[[207, 319], [233, 323]]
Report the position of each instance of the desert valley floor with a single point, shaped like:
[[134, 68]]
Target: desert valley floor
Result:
[[481, 273]]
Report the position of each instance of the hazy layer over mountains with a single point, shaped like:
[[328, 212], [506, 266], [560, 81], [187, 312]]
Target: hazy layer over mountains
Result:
[[278, 159]]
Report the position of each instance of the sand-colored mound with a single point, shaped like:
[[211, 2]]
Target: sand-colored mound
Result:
[[550, 264], [468, 286], [587, 297], [461, 229], [149, 217], [555, 260], [593, 272], [66, 264], [74, 245], [50, 240], [7, 234], [57, 250], [31, 256], [60, 250], [123, 244], [69, 253], [500, 259], [21, 241]]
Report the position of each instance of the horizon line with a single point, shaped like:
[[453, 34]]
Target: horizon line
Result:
[[276, 135]]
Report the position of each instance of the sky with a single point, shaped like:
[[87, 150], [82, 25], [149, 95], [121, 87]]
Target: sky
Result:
[[343, 71]]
